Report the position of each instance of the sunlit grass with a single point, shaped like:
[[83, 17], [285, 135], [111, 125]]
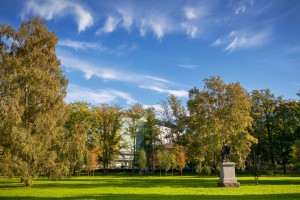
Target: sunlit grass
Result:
[[154, 188]]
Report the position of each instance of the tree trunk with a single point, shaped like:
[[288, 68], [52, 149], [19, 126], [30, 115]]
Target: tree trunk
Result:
[[256, 180]]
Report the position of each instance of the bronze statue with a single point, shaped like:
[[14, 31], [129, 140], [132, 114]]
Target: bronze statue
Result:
[[225, 152]]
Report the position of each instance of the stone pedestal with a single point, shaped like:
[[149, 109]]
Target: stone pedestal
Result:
[[227, 175]]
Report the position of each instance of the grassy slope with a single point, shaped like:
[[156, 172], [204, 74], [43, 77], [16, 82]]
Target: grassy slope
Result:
[[152, 188]]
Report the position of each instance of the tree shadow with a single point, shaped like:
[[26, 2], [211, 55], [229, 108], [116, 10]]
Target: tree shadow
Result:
[[289, 196]]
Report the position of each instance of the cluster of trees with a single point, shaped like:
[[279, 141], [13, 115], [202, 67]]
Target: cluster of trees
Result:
[[41, 134]]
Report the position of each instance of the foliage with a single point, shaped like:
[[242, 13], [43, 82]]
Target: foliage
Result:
[[107, 124], [181, 158], [78, 128], [32, 89], [218, 113], [142, 159], [263, 106], [286, 122], [296, 155], [134, 118], [160, 160], [174, 116], [150, 134]]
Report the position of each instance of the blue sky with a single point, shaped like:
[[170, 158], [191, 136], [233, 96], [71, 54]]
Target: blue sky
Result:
[[122, 52]]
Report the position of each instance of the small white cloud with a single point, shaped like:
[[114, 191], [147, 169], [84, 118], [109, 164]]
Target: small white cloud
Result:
[[50, 9], [191, 30], [217, 42], [242, 6], [129, 100], [110, 25], [81, 45], [190, 13], [246, 40], [179, 93], [188, 66]]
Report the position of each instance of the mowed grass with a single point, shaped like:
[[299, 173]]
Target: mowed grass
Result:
[[117, 187]]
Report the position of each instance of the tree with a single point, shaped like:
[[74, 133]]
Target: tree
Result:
[[78, 128], [173, 160], [106, 126], [142, 160], [257, 166], [181, 160], [174, 116], [150, 134], [286, 122], [160, 160], [296, 155], [134, 120], [166, 161], [220, 112], [32, 92], [263, 106]]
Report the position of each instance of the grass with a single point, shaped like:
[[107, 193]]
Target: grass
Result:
[[117, 187]]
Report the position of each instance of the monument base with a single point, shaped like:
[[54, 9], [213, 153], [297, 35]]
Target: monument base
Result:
[[227, 175]]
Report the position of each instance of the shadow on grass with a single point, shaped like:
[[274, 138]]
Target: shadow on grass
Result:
[[140, 182], [290, 196], [121, 183]]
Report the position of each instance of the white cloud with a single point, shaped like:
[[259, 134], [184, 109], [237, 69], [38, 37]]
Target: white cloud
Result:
[[239, 40], [217, 42], [190, 13], [191, 30], [110, 25], [242, 6], [129, 100], [179, 93], [78, 93], [108, 73], [50, 9], [81, 45], [155, 19], [188, 66]]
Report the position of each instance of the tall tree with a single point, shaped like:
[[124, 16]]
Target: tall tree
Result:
[[286, 122], [78, 131], [263, 106], [32, 89], [218, 113], [106, 126], [134, 119], [150, 135], [174, 116]]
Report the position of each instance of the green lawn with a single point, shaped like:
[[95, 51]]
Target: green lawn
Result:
[[153, 188]]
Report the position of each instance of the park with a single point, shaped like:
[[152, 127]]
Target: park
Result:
[[85, 115]]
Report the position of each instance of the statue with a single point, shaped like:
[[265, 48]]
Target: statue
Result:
[[225, 152]]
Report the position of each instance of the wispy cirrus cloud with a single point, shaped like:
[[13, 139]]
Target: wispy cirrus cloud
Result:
[[50, 9], [110, 25], [178, 93], [144, 81], [108, 73], [188, 66], [157, 20], [190, 12], [242, 6], [79, 93], [243, 39], [81, 45], [122, 49]]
